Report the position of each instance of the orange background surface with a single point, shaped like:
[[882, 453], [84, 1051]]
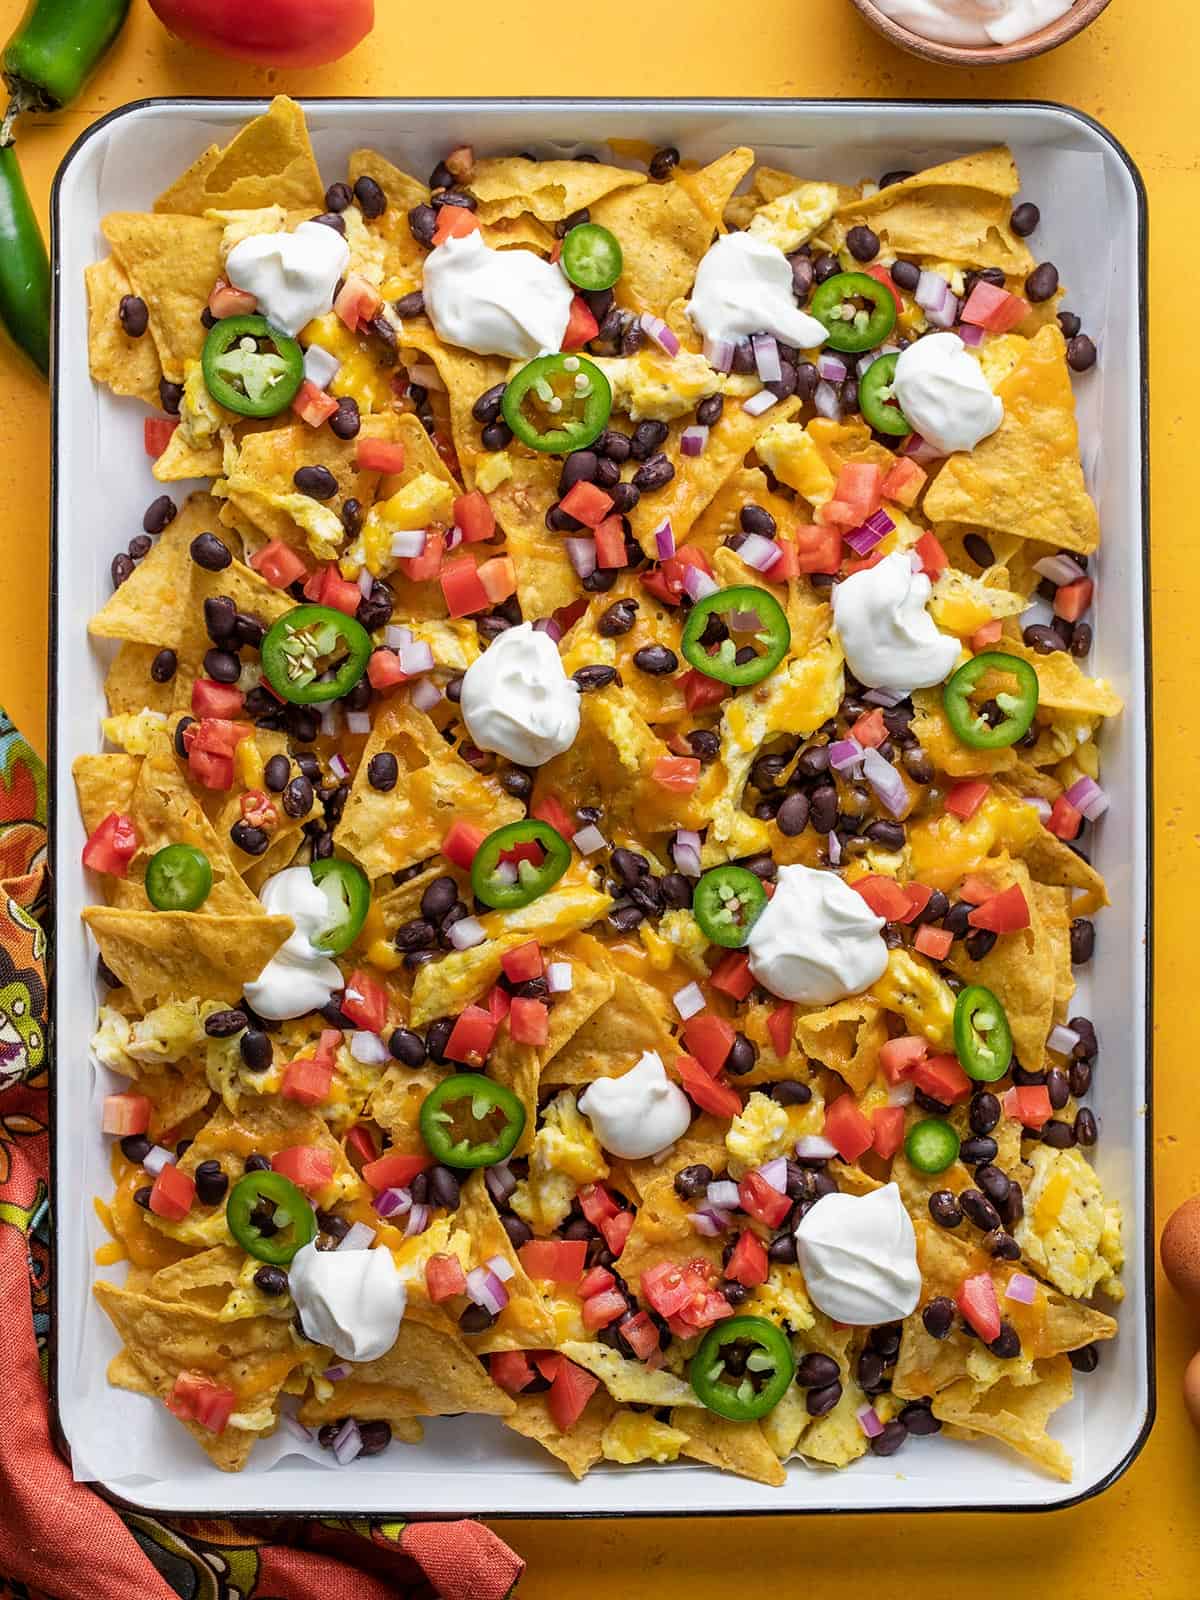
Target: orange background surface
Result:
[[1135, 71]]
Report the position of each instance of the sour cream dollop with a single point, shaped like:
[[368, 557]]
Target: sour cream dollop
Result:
[[944, 394], [890, 640], [298, 978], [640, 1113], [518, 701], [352, 1301], [974, 22], [291, 275], [744, 286], [495, 302], [858, 1254], [816, 941]]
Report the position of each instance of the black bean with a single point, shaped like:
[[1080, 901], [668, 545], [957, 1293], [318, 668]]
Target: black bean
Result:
[[1085, 1359], [422, 220], [220, 619], [755, 519], [1079, 1076], [615, 445], [918, 1419], [518, 1232], [1024, 220], [762, 866], [576, 220], [121, 569], [624, 497], [979, 550], [209, 552], [222, 665], [1088, 1045], [475, 1319], [256, 1163], [889, 1441], [653, 474], [870, 1371], [1086, 1128], [344, 423], [1081, 639], [142, 1197], [676, 891], [708, 412], [826, 266], [579, 467], [257, 1050], [691, 1182], [598, 301], [705, 744], [207, 320], [159, 514], [372, 201], [224, 1024], [338, 196], [849, 394], [298, 797], [814, 761], [792, 816], [790, 1092], [977, 1150], [170, 396], [1022, 1077], [647, 437], [383, 771], [444, 1188], [163, 667], [655, 659], [496, 436], [862, 243], [823, 807], [375, 1436], [1042, 282], [247, 837], [316, 482], [979, 1209], [918, 765], [817, 1371], [1059, 1135], [1058, 1087], [938, 1317], [905, 275], [134, 315], [135, 1147], [1069, 323], [802, 275], [1007, 1343], [1081, 353], [437, 1035], [884, 832], [945, 1209], [663, 162], [1002, 1245], [936, 1108], [742, 1057], [607, 474], [629, 865], [820, 1402], [782, 1249], [595, 677], [980, 942], [415, 935], [624, 919], [330, 219], [211, 1183]]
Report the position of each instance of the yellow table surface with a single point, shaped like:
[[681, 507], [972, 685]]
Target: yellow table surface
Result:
[[1133, 70]]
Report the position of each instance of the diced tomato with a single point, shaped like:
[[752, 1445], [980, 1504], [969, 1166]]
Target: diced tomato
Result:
[[965, 798], [336, 591], [361, 1143], [420, 569], [888, 1123], [499, 579], [836, 514], [886, 898], [870, 730], [984, 638], [933, 558], [581, 325], [610, 544], [700, 691], [677, 774], [976, 888], [732, 975], [847, 1128], [976, 1299], [209, 770], [779, 1029], [306, 1081], [709, 1039], [394, 1170], [641, 1335], [904, 482], [499, 1002], [787, 564], [587, 503], [227, 300], [173, 1194], [357, 302], [471, 1037], [473, 516], [529, 1021], [156, 434], [819, 549], [919, 896], [863, 565], [554, 1260], [547, 1363], [759, 1200], [212, 699], [112, 846], [858, 486], [218, 735], [512, 1370], [550, 809], [1006, 912], [596, 1203], [942, 1079], [308, 1166], [597, 1281], [197, 1398], [258, 808], [933, 942], [990, 307], [279, 564], [1073, 599], [462, 586], [601, 1309], [883, 276], [667, 1288], [748, 1264], [523, 963], [313, 405], [365, 1001], [461, 844], [1064, 821], [327, 1046], [380, 455], [1029, 1104], [899, 1056], [124, 1114], [616, 1231], [710, 1094], [384, 670], [572, 1387], [454, 222], [568, 616], [444, 1278]]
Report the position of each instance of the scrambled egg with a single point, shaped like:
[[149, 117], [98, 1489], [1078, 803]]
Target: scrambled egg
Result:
[[960, 604], [678, 935], [164, 1035], [424, 499], [1068, 1233], [244, 224], [246, 1299], [361, 376], [912, 989], [783, 1299], [764, 1129], [454, 644], [493, 470], [136, 732], [638, 1436], [792, 456], [648, 385], [985, 1369], [566, 1154], [321, 526], [796, 216], [200, 417]]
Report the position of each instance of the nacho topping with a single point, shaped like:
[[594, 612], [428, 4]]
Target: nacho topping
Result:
[[291, 275], [495, 302], [890, 640], [944, 395]]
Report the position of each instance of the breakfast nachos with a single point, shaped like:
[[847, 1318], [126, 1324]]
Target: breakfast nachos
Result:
[[591, 846]]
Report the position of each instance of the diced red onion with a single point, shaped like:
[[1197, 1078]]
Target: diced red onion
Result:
[[426, 375], [466, 933], [365, 583], [347, 1443], [548, 625], [747, 621], [868, 1421], [760, 402], [689, 1001], [831, 368], [393, 1202], [454, 538], [501, 1184], [970, 335], [1086, 795], [320, 367], [409, 542], [359, 1237], [295, 1427], [775, 1173], [664, 539], [502, 1267], [424, 694], [1062, 1040], [418, 1220], [338, 767], [335, 1374], [759, 552], [719, 354], [685, 852], [559, 977], [657, 329], [812, 1147], [692, 440], [862, 540], [1042, 807], [932, 291], [766, 357], [921, 451], [581, 553], [944, 316], [902, 1094], [886, 782], [833, 846], [156, 1158], [708, 1222], [395, 635], [723, 1193], [506, 872], [331, 722], [415, 658], [486, 1290], [1022, 1288], [864, 363], [1059, 569], [697, 584], [826, 402], [887, 698], [368, 1048], [880, 522], [358, 722], [588, 840], [845, 755]]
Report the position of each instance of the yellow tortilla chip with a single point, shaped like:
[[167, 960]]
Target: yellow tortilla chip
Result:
[[128, 686], [125, 365], [507, 186], [183, 459], [174, 955], [426, 1373], [846, 1038], [1014, 1414], [519, 233], [546, 580], [104, 784], [1063, 685], [580, 1449], [1020, 970], [630, 1381], [149, 606], [739, 1447], [269, 162], [635, 1018], [525, 1323], [466, 376], [172, 263]]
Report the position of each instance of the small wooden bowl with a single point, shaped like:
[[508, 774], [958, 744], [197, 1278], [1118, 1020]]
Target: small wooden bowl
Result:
[[1081, 15]]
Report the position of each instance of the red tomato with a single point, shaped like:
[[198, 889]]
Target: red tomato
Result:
[[976, 1299], [819, 549], [1006, 912], [933, 558], [581, 325], [616, 1231], [732, 975], [272, 33], [212, 699], [710, 1094], [666, 1288], [124, 1114], [787, 564], [360, 1143], [919, 896], [994, 309], [394, 1170], [933, 942], [444, 1278], [218, 736], [194, 1397], [903, 483], [884, 895], [471, 1037], [965, 798], [942, 1078], [365, 1002], [461, 844], [228, 301], [597, 1204], [307, 1081], [473, 516], [984, 638], [499, 1002], [357, 302], [554, 1260], [306, 1165], [529, 1021], [549, 808], [601, 1309], [883, 276], [572, 1387], [587, 503], [499, 579], [1064, 821], [327, 1046], [547, 1362], [462, 586], [641, 1335], [156, 434], [779, 1029], [511, 1369], [523, 963], [709, 1039], [313, 405], [748, 1264], [454, 222], [836, 514], [899, 1056], [419, 569], [384, 670], [173, 1194], [1073, 599], [209, 770], [888, 1123], [598, 1281], [870, 730], [858, 486], [112, 846], [677, 774], [847, 1128], [378, 455], [336, 591], [700, 691], [759, 1200], [976, 888], [610, 544], [279, 564], [1029, 1104]]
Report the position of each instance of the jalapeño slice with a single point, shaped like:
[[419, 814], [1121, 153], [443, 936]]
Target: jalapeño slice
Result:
[[931, 1145], [876, 397], [304, 643], [558, 403], [251, 367], [849, 325], [471, 1121], [179, 877], [708, 642], [517, 864], [742, 1368], [348, 891], [727, 903], [982, 1037], [1017, 707], [269, 1217], [591, 257]]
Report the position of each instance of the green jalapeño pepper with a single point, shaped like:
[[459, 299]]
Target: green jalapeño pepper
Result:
[[471, 1121], [24, 264], [348, 891], [591, 257], [304, 644], [931, 1145], [983, 1039], [250, 367], [742, 1368], [876, 397], [727, 903], [849, 325], [537, 853], [708, 642], [269, 1217], [558, 403], [178, 878], [58, 43], [1017, 707]]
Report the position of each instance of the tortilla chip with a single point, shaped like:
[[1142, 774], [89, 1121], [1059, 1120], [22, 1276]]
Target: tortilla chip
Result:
[[426, 1373], [519, 233], [125, 365], [172, 263], [739, 1447], [128, 686], [176, 955], [1020, 970], [1052, 861], [1015, 1415], [148, 608], [1063, 685], [846, 1038], [546, 580], [466, 376], [206, 1281], [593, 982], [268, 162], [507, 186], [580, 1449], [635, 1018], [525, 1323], [104, 784], [268, 461], [396, 1103], [630, 1381]]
